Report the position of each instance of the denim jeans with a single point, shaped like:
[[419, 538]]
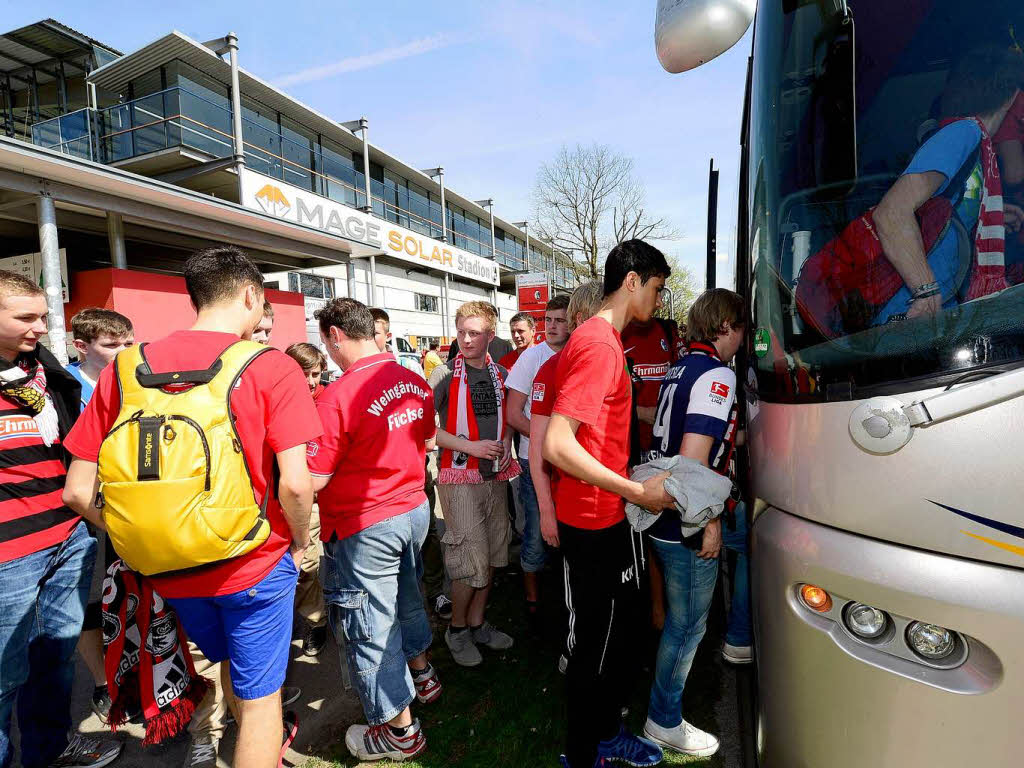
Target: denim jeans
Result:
[[372, 590], [689, 588], [42, 605], [531, 554], [738, 632]]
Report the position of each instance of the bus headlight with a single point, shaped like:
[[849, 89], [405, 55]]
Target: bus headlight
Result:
[[865, 621], [930, 641]]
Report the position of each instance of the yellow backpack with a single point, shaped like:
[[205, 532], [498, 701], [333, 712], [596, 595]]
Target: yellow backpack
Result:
[[175, 489]]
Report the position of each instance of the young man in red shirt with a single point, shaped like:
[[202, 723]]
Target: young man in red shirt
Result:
[[587, 441], [46, 553], [523, 329], [519, 385], [368, 469], [238, 609]]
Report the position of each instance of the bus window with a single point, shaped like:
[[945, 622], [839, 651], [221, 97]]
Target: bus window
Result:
[[890, 243]]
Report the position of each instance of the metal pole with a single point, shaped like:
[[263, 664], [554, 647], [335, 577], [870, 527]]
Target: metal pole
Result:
[[494, 251], [236, 109], [351, 273], [364, 126], [444, 208], [447, 306], [115, 237], [526, 231], [373, 281], [710, 278], [50, 253]]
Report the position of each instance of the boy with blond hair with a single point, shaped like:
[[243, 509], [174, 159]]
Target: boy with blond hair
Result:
[[475, 464]]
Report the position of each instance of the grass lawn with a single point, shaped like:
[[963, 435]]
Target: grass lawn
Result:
[[510, 710]]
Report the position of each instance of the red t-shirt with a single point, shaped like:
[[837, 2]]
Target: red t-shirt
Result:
[[273, 412], [542, 397], [377, 419], [592, 386], [652, 353], [509, 359]]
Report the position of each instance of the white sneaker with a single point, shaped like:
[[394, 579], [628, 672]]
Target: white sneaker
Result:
[[684, 738], [738, 654]]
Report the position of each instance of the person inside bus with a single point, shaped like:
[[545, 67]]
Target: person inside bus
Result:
[[1009, 144], [959, 163]]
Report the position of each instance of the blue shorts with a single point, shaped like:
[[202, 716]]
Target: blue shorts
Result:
[[252, 629]]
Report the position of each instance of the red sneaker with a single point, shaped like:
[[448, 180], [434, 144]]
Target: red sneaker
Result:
[[428, 685], [377, 742]]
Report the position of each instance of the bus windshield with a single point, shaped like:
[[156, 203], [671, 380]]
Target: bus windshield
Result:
[[885, 178]]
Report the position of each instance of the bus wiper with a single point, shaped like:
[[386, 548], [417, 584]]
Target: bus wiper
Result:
[[969, 398], [883, 425]]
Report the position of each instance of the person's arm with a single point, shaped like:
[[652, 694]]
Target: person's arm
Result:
[[562, 449], [80, 490], [295, 492], [514, 411], [646, 415], [481, 449], [542, 481], [900, 234]]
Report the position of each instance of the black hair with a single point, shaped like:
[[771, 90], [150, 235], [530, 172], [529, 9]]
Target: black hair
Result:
[[981, 82], [349, 316], [633, 256], [216, 274]]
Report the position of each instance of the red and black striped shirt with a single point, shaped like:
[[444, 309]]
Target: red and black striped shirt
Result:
[[32, 475]]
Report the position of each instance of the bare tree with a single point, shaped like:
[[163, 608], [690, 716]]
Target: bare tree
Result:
[[586, 200]]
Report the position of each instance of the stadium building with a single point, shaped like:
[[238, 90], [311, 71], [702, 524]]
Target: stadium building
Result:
[[114, 167]]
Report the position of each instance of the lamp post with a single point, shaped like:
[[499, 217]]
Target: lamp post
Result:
[[363, 126], [525, 226], [439, 173], [489, 205]]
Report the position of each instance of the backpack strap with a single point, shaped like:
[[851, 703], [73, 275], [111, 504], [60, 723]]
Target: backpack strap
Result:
[[146, 378]]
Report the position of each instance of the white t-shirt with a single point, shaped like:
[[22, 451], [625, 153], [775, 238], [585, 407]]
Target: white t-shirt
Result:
[[521, 377]]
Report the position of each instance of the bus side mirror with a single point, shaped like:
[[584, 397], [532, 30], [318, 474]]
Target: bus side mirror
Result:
[[688, 33]]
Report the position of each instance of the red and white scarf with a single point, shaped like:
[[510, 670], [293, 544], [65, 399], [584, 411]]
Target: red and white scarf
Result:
[[148, 666], [988, 272], [25, 383], [460, 468]]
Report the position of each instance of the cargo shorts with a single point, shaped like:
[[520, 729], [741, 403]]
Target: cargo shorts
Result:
[[477, 530]]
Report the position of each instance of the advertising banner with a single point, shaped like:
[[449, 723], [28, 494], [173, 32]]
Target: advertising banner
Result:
[[284, 201]]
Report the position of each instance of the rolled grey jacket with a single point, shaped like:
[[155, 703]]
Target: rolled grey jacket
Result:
[[700, 493]]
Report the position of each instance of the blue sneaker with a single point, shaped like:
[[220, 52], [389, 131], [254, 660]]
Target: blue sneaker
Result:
[[629, 749]]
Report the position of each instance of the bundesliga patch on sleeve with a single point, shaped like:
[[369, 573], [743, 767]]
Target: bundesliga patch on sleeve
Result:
[[719, 392], [538, 392]]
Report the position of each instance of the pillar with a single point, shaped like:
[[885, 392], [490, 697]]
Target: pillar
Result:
[[115, 237], [50, 253]]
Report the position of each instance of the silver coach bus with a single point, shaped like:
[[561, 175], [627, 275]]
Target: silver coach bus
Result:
[[886, 452]]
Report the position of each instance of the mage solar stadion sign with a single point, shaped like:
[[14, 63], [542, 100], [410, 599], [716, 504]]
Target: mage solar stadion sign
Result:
[[299, 206]]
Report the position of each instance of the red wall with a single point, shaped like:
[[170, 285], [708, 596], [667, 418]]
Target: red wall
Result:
[[159, 304]]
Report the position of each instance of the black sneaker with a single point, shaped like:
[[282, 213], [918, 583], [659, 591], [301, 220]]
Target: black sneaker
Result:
[[101, 703], [315, 640], [86, 752]]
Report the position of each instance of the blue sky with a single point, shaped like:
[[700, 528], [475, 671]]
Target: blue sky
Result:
[[489, 90]]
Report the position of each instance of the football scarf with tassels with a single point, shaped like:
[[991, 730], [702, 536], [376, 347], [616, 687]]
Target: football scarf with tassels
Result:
[[156, 675]]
